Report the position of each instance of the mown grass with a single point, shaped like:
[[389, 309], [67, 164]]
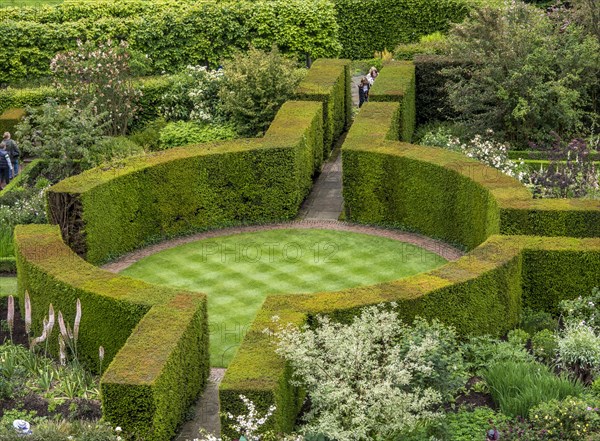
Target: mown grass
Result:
[[239, 271], [8, 286]]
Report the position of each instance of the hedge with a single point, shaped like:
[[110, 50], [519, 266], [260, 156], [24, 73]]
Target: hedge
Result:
[[104, 213], [329, 81], [367, 27], [172, 33], [481, 293], [396, 82], [152, 89], [9, 119], [155, 338], [543, 155], [433, 103]]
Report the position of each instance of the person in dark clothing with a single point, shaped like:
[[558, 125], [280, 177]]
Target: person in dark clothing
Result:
[[14, 153], [6, 168], [363, 91]]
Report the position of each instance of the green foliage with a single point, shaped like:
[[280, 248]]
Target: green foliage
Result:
[[10, 118], [529, 75], [518, 337], [367, 27], [27, 372], [193, 95], [244, 181], [582, 309], [149, 137], [519, 386], [428, 44], [48, 430], [471, 424], [160, 334], [571, 419], [180, 133], [579, 350], [98, 77], [372, 378], [544, 346], [172, 34], [255, 85], [328, 81], [483, 351], [443, 355], [535, 320], [64, 137]]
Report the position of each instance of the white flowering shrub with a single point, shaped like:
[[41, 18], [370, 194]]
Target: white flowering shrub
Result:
[[375, 378], [194, 96], [579, 350], [97, 75], [482, 148], [582, 309], [27, 210]]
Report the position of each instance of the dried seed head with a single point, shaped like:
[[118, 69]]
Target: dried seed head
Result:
[[77, 321], [10, 315], [27, 313]]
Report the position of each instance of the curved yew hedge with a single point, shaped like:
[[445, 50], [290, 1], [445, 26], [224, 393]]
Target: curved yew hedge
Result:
[[446, 195], [155, 338], [443, 194]]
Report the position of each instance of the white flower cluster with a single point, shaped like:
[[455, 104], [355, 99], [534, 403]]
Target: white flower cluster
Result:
[[247, 424]]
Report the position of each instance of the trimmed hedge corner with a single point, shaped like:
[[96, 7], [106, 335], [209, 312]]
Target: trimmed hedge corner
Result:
[[155, 338], [328, 81], [396, 82]]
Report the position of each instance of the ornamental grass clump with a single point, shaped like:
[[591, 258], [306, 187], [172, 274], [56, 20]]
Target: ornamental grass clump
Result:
[[518, 386], [375, 378]]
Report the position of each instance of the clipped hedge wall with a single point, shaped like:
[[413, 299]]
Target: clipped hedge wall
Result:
[[155, 338], [367, 27], [329, 81], [481, 293], [396, 82], [104, 213], [172, 33], [9, 119], [433, 103]]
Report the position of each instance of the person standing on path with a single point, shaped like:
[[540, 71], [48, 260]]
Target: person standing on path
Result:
[[372, 75], [6, 168], [14, 153], [363, 91]]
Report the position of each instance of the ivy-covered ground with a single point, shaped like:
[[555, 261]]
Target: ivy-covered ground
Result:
[[239, 271]]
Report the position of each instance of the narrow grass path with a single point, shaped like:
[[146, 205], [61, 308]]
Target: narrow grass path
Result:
[[238, 271]]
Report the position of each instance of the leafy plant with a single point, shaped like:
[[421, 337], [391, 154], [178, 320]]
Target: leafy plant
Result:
[[533, 320], [470, 424], [579, 350], [483, 351], [570, 419], [527, 74], [255, 85], [544, 346], [435, 43], [360, 376], [518, 337], [518, 386], [98, 77], [570, 174], [184, 133], [194, 95], [582, 309]]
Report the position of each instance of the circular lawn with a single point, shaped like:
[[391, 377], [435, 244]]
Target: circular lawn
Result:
[[238, 271]]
